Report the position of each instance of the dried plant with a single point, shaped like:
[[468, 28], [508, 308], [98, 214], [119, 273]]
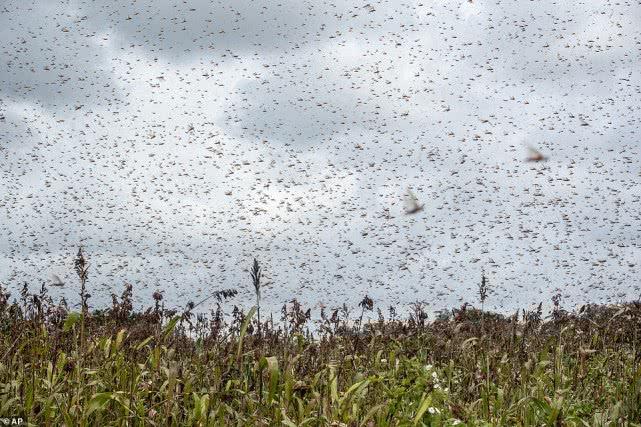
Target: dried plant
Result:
[[483, 288], [366, 304], [159, 366], [81, 267], [256, 273]]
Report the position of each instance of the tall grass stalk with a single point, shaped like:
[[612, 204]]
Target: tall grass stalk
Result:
[[256, 273]]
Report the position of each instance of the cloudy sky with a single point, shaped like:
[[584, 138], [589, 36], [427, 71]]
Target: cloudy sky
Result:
[[177, 140]]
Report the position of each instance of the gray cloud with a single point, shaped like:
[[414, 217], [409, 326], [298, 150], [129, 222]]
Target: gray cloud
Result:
[[290, 132], [53, 57]]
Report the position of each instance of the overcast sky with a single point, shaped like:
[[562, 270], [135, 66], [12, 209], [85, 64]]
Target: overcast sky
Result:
[[177, 140]]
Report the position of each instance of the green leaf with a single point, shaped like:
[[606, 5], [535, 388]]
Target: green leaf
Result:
[[243, 330], [98, 401], [198, 407], [274, 374], [372, 412], [144, 343], [333, 383], [170, 327], [70, 321], [422, 408], [356, 387]]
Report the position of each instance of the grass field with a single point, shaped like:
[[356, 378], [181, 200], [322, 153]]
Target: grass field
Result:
[[464, 367]]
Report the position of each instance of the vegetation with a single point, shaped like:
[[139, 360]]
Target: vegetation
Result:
[[465, 367]]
